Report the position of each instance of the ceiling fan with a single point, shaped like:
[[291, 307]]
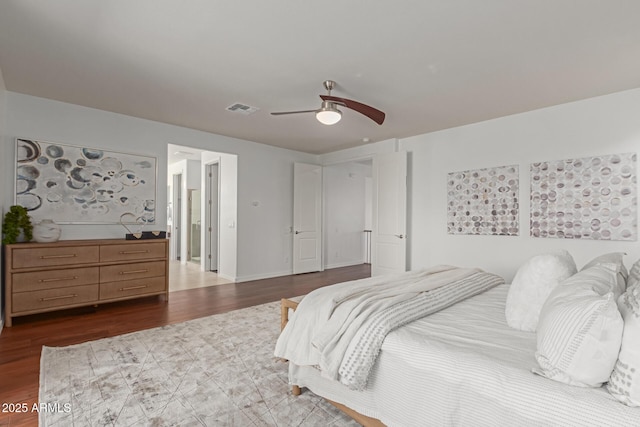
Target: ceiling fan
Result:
[[328, 112]]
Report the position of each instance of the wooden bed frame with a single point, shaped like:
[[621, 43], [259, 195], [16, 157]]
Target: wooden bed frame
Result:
[[285, 305]]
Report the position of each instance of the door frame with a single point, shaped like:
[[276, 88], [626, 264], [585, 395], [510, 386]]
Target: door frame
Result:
[[176, 219]]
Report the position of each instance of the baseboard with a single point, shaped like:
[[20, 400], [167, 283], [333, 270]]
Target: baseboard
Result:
[[263, 276], [288, 272], [343, 264], [225, 277]]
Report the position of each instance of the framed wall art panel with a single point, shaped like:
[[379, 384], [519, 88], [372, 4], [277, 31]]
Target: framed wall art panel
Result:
[[80, 185], [586, 198], [483, 201]]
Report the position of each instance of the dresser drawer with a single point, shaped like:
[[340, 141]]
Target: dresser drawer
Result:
[[62, 297], [138, 270], [40, 280], [130, 252], [54, 256], [117, 290]]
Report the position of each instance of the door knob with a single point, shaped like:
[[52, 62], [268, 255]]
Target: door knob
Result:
[[399, 236]]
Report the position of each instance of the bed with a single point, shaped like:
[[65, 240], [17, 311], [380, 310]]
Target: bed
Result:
[[463, 366]]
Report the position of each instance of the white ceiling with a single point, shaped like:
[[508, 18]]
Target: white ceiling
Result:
[[428, 64]]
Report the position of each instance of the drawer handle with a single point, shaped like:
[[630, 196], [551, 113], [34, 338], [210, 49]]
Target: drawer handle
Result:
[[133, 271], [57, 279], [130, 288], [133, 252], [60, 297], [58, 256]]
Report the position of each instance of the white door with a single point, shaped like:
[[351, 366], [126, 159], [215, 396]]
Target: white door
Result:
[[307, 218], [389, 236], [211, 217]]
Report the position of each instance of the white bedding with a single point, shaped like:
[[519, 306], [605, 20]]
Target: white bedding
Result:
[[464, 366], [342, 327]]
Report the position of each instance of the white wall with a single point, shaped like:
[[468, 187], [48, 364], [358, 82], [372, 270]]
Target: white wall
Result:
[[265, 209], [46, 120], [345, 211], [361, 152], [604, 125], [6, 185], [194, 175], [368, 201], [6, 165], [264, 173]]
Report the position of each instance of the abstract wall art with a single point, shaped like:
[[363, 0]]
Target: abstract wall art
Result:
[[78, 185], [483, 201], [586, 198]]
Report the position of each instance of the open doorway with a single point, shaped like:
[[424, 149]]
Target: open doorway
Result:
[[380, 182], [195, 224], [203, 188], [347, 213]]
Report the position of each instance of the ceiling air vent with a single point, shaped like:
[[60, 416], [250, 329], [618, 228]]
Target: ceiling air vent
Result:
[[242, 109]]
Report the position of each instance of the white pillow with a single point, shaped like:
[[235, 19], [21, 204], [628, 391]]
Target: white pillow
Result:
[[634, 275], [580, 329], [531, 286], [613, 258], [624, 383]]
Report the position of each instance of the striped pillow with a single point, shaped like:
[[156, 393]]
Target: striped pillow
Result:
[[624, 383], [580, 329]]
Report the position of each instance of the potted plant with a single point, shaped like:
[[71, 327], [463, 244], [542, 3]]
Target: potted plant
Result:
[[16, 220]]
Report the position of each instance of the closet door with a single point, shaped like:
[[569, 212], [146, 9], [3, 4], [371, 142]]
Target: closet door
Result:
[[307, 218], [389, 235]]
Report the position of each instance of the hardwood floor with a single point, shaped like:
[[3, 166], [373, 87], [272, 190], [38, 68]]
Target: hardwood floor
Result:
[[20, 346]]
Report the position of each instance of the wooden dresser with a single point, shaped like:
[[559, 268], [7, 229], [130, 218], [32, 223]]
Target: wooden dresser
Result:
[[43, 277]]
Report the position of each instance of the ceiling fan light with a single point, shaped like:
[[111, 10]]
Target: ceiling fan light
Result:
[[328, 116]]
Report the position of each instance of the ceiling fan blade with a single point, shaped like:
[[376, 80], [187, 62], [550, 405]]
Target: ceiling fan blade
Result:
[[282, 113], [373, 113]]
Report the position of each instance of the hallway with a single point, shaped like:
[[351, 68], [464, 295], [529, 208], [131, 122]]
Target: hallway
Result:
[[189, 276]]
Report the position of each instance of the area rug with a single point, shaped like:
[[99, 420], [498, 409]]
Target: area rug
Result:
[[214, 371]]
